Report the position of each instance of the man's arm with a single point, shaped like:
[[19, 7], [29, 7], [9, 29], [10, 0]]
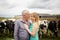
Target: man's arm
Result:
[[16, 29]]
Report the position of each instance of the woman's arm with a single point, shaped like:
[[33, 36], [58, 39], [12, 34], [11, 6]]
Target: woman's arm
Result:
[[33, 32]]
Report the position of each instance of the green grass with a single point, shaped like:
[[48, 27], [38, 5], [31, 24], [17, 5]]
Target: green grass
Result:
[[52, 38], [9, 37]]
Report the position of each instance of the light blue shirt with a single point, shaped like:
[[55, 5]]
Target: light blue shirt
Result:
[[20, 33]]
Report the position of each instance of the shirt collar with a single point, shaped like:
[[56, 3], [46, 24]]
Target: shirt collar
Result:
[[23, 20]]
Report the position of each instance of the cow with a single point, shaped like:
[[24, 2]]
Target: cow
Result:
[[2, 27], [52, 27], [43, 27]]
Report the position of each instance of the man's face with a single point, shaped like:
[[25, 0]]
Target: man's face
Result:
[[27, 15]]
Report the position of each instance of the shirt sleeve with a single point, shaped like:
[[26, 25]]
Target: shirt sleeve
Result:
[[16, 30]]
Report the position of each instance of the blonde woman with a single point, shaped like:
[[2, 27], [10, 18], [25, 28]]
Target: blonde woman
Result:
[[33, 30]]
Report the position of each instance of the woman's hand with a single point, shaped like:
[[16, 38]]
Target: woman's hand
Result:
[[26, 26]]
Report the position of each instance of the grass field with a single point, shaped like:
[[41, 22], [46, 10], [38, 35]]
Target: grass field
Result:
[[8, 37]]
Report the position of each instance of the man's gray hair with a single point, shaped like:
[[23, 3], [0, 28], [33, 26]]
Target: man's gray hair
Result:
[[24, 12]]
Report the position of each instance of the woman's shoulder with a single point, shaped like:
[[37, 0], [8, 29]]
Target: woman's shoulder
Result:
[[35, 24]]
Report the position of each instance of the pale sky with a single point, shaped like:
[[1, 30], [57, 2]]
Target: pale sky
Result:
[[9, 8]]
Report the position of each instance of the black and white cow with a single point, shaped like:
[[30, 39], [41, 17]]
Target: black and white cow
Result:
[[53, 28], [43, 27], [10, 26], [2, 27]]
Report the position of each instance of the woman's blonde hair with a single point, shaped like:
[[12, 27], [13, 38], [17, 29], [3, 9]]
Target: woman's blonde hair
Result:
[[35, 15]]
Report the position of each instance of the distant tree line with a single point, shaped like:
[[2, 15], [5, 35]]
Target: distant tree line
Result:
[[1, 18]]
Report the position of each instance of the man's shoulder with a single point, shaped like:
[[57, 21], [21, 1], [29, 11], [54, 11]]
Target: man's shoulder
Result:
[[19, 20]]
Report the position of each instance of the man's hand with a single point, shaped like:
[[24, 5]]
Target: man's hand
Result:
[[26, 26]]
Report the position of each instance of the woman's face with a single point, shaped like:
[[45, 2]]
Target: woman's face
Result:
[[32, 18]]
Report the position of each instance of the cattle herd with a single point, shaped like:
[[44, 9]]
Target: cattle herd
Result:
[[7, 27], [45, 27], [49, 28]]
